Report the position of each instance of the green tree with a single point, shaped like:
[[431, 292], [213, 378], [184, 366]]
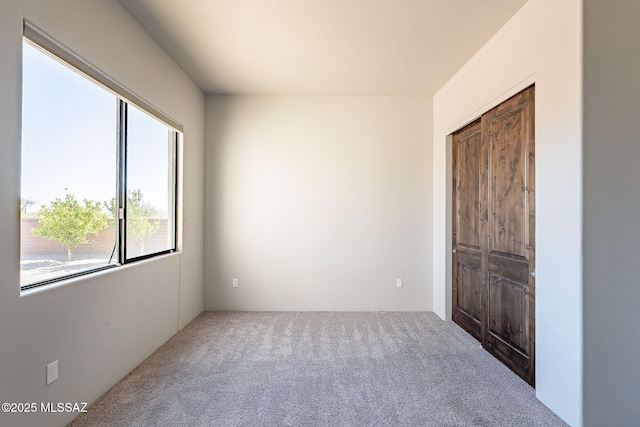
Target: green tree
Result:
[[139, 224], [69, 222]]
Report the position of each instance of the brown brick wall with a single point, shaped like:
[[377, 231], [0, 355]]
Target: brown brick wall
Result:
[[32, 246]]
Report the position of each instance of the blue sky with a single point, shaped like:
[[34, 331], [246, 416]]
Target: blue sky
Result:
[[69, 138]]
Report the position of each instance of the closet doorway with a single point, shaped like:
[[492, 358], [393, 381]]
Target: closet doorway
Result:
[[493, 243]]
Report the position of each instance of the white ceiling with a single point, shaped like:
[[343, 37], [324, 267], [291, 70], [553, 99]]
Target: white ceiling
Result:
[[332, 47]]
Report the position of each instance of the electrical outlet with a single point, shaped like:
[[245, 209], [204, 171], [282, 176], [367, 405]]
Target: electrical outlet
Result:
[[398, 283], [235, 282], [52, 372]]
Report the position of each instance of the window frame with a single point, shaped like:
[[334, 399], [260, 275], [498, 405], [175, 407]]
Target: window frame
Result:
[[123, 189], [124, 97]]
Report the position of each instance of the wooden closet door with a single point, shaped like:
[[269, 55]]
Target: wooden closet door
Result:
[[469, 230], [494, 232], [508, 131]]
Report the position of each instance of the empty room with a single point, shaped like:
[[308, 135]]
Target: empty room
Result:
[[319, 213]]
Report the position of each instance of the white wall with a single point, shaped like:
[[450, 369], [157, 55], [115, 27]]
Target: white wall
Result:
[[541, 44], [99, 327], [611, 212], [318, 203]]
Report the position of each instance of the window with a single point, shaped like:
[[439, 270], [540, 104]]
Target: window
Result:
[[150, 184], [98, 169]]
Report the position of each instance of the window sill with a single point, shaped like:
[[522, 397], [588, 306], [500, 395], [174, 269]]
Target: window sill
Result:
[[94, 275]]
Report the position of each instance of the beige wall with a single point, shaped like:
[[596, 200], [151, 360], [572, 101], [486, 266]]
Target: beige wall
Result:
[[541, 44], [101, 326], [318, 203]]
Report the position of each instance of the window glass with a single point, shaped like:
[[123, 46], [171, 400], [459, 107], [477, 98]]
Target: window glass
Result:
[[69, 157], [84, 148], [150, 185]]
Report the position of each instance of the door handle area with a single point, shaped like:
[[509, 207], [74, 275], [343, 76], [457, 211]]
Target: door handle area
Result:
[[533, 273], [453, 250]]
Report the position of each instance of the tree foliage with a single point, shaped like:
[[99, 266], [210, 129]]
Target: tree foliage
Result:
[[139, 224], [69, 222]]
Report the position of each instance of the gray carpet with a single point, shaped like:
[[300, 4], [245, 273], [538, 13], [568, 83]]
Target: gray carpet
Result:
[[319, 369]]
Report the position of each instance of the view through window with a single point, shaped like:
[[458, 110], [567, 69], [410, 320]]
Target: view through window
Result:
[[78, 160], [150, 184]]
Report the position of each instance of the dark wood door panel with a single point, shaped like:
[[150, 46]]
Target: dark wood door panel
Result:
[[468, 182], [469, 293], [510, 357], [469, 324], [509, 268], [468, 280], [469, 290], [508, 131], [508, 201], [468, 256], [515, 102], [509, 312]]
